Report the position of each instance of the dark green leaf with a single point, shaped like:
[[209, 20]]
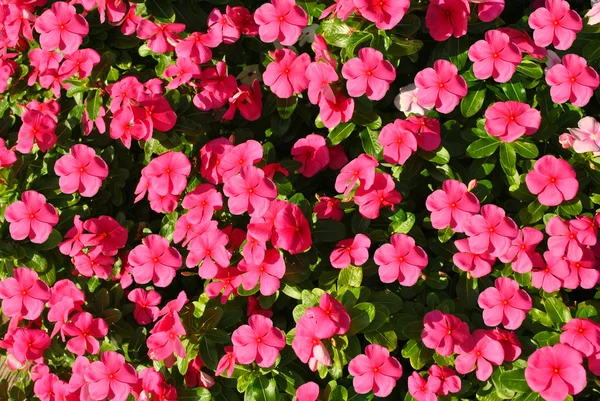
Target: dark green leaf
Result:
[[482, 148], [329, 231], [341, 132], [472, 103]]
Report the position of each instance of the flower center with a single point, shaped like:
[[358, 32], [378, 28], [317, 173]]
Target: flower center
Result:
[[553, 180], [155, 260], [32, 216], [81, 169], [441, 85], [495, 55], [478, 353], [555, 23]]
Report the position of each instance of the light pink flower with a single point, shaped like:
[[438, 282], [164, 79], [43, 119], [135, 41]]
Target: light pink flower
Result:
[[381, 194], [286, 75], [496, 57], [479, 352], [280, 20], [268, 271], [375, 370], [61, 28], [31, 217], [400, 260], [398, 141], [443, 332], [504, 303], [352, 251], [441, 86], [407, 101], [146, 305], [250, 191], [361, 169], [154, 260], [258, 341], [23, 295], [553, 180], [555, 24], [594, 14], [510, 120], [307, 392], [81, 171], [452, 206], [446, 18], [313, 153], [110, 377], [586, 137], [573, 81], [477, 264], [522, 250], [85, 331], [368, 74], [555, 372], [491, 231]]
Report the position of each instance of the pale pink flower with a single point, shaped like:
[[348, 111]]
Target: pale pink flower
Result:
[[407, 101], [258, 341], [375, 370], [368, 74], [586, 137], [555, 24], [31, 217]]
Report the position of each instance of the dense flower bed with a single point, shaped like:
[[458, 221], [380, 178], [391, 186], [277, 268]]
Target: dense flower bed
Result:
[[312, 200]]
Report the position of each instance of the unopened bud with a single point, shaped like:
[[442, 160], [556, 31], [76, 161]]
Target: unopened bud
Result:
[[472, 185]]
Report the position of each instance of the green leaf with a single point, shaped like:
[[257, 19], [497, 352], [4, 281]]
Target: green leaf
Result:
[[405, 225], [387, 338], [404, 47], [261, 389], [351, 276], [530, 69], [370, 142], [508, 159], [160, 9], [482, 148], [591, 51], [93, 104], [534, 212], [570, 208], [341, 132], [467, 291], [355, 39], [361, 316], [514, 91], [440, 156], [557, 311], [336, 33], [527, 150], [515, 380], [418, 354], [285, 107], [388, 299], [545, 338], [329, 231], [472, 103]]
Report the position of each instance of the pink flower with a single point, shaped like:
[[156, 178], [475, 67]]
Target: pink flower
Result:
[[313, 153], [195, 377], [510, 343], [375, 370], [553, 180], [477, 264], [594, 14], [583, 273], [61, 28], [352, 251], [146, 305], [227, 362], [442, 332], [108, 236], [23, 295], [291, 230], [110, 377], [368, 74], [211, 155], [161, 38], [504, 303], [269, 271], [335, 109], [286, 75], [222, 27], [491, 231], [564, 239], [427, 132], [81, 171], [227, 281], [550, 276], [586, 137], [449, 382], [361, 169], [447, 18], [522, 250], [320, 76], [201, 203], [441, 86], [510, 120], [385, 14], [85, 330], [209, 248], [555, 372], [281, 20], [524, 42], [381, 194], [307, 342], [573, 80], [168, 173], [307, 392], [243, 20], [250, 191], [330, 312], [400, 260], [328, 208], [495, 56], [407, 101], [31, 217], [452, 206], [583, 335], [398, 141], [39, 127], [421, 389], [29, 345], [183, 71], [196, 47], [154, 261], [94, 263], [555, 24], [244, 154], [489, 10], [81, 62], [247, 101], [479, 352], [7, 156], [218, 86], [258, 341]]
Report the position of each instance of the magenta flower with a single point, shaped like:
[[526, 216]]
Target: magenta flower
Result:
[[61, 28], [183, 71], [164, 342], [510, 343], [477, 264], [249, 192], [400, 260], [291, 230], [496, 57], [168, 173], [491, 231], [154, 260], [479, 352], [329, 208], [573, 81], [550, 276], [218, 86], [7, 156], [522, 250], [162, 38], [489, 10], [368, 74], [441, 86], [452, 206], [381, 194], [313, 153], [208, 248], [222, 27], [583, 273], [524, 42], [510, 120], [361, 169], [23, 295], [94, 263], [335, 109], [31, 217], [320, 76], [583, 335], [29, 345], [81, 171], [352, 251], [269, 271], [110, 377], [85, 330], [375, 370], [248, 101], [421, 389], [108, 236], [307, 342], [563, 239], [449, 382], [233, 160], [201, 203], [427, 131], [227, 281], [281, 20], [286, 75], [258, 341], [227, 362], [330, 311], [196, 47], [39, 127], [146, 305], [307, 392], [555, 24], [442, 332], [81, 62], [386, 14], [504, 303], [553, 180], [398, 141], [555, 372], [446, 18]]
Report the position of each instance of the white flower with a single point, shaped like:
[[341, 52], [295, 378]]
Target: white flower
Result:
[[553, 59], [407, 101], [594, 13], [308, 34], [249, 74]]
